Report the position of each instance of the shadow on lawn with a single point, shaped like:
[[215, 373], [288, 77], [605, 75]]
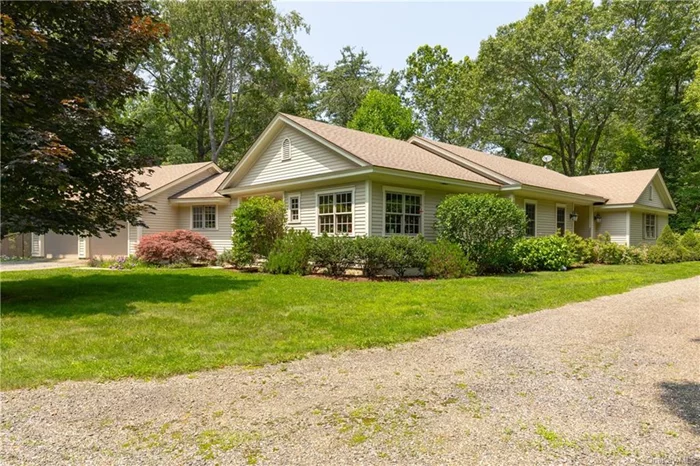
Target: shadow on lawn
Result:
[[108, 292], [683, 399]]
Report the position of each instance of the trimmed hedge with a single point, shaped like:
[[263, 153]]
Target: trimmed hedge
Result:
[[291, 254], [447, 260], [544, 253]]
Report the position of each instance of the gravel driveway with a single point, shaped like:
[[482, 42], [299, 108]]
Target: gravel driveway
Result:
[[611, 381]]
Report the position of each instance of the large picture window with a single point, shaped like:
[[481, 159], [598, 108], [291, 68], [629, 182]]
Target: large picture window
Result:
[[649, 226], [531, 214], [335, 213], [204, 217], [402, 213]]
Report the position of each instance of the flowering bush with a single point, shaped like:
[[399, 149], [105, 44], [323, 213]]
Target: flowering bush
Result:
[[179, 246]]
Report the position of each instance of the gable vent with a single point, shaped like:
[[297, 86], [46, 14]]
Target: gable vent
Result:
[[286, 149]]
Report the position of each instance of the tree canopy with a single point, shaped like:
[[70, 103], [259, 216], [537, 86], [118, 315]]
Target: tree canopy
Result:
[[224, 71], [384, 114], [67, 67]]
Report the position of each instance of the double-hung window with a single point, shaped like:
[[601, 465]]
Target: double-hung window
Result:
[[531, 214], [335, 213], [561, 220], [294, 206], [649, 226], [204, 217], [402, 213]]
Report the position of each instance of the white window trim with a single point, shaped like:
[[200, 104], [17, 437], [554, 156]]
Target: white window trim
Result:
[[533, 202], [289, 208], [393, 189], [651, 192], [338, 190], [286, 141], [216, 217], [656, 226], [566, 217]]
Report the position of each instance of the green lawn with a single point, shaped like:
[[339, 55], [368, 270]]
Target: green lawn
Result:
[[78, 324]]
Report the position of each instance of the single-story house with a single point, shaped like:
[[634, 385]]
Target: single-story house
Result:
[[341, 181]]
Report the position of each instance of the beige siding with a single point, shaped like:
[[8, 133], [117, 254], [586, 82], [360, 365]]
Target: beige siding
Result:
[[546, 215], [637, 229], [56, 245], [614, 223], [220, 238], [655, 200], [308, 158], [582, 225], [308, 209], [109, 245]]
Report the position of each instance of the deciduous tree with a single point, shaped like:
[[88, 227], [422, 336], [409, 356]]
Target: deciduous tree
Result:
[[384, 114], [67, 67]]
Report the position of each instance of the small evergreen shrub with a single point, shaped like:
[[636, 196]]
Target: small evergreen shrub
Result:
[[690, 244], [175, 246], [335, 254], [668, 239], [407, 252], [485, 226], [447, 260], [257, 223], [544, 253], [291, 254], [372, 253]]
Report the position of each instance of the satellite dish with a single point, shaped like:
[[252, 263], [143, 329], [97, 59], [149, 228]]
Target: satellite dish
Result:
[[547, 158]]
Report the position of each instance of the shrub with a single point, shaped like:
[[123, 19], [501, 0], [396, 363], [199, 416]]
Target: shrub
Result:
[[175, 246], [334, 253], [544, 253], [690, 244], [257, 223], [634, 255], [659, 254], [372, 253], [407, 252], [447, 260], [581, 249], [485, 226], [668, 238], [291, 254]]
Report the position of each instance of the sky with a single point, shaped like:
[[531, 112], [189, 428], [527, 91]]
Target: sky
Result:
[[390, 31]]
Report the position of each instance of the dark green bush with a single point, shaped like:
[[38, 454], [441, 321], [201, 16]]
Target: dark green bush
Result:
[[334, 253], [407, 252], [544, 253], [447, 260], [257, 223], [690, 244], [372, 253], [485, 226], [291, 254]]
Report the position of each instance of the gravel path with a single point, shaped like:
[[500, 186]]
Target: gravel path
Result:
[[40, 264], [611, 381]]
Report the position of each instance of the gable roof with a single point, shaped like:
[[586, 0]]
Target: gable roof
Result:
[[207, 188], [381, 151], [161, 176], [622, 187], [521, 172]]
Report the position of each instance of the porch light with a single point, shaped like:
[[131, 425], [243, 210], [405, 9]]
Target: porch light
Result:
[[573, 216], [598, 218]]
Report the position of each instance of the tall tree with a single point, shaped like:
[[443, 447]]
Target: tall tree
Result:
[[553, 81], [342, 88], [384, 114], [441, 92], [67, 67], [226, 68]]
